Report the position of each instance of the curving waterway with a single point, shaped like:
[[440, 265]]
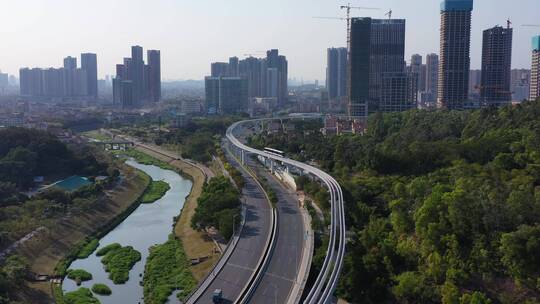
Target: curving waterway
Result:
[[148, 225]]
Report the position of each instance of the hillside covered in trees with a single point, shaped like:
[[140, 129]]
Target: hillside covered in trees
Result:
[[444, 206]]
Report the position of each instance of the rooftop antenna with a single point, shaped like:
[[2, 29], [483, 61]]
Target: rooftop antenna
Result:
[[508, 23]]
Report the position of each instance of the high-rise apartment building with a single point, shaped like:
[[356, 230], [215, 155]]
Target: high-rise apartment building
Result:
[[59, 83], [432, 76], [377, 48], [219, 69], [154, 75], [520, 84], [455, 60], [136, 82], [387, 55], [360, 54], [251, 68], [418, 69], [226, 95], [89, 64], [399, 93], [70, 63], [266, 77], [336, 73], [496, 67], [233, 67], [535, 69]]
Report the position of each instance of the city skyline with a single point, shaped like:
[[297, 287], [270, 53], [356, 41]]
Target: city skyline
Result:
[[167, 30]]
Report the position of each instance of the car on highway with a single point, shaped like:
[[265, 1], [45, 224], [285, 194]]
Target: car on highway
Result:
[[217, 296]]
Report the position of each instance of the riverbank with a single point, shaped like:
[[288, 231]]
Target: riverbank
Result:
[[47, 250], [196, 244]]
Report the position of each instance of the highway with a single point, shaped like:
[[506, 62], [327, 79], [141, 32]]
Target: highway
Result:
[[279, 277], [326, 282], [245, 257]]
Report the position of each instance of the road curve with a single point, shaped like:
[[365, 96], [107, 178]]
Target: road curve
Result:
[[326, 282]]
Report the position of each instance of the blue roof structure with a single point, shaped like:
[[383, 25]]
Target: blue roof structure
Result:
[[536, 43], [457, 5]]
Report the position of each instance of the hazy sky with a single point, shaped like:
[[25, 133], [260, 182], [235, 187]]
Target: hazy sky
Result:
[[192, 33]]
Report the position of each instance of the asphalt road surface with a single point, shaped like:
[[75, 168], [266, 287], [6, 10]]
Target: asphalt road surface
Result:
[[240, 266]]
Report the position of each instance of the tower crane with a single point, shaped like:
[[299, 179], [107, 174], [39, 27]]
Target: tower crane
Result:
[[348, 8], [389, 14], [531, 25]]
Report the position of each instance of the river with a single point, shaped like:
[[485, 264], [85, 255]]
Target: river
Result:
[[148, 225]]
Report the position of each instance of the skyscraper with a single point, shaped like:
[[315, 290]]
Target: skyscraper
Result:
[[89, 64], [233, 67], [377, 48], [332, 72], [336, 73], [70, 63], [535, 69], [455, 59], [226, 95], [279, 63], [154, 75], [137, 75], [143, 81], [418, 69], [432, 75], [251, 69], [399, 92], [387, 55], [342, 72], [219, 69], [360, 37], [496, 66]]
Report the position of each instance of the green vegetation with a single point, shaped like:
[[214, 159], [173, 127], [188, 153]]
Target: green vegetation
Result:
[[26, 153], [79, 275], [233, 172], [118, 262], [155, 191], [218, 206], [101, 289], [96, 134], [12, 274], [88, 249], [145, 159], [166, 270], [444, 206], [80, 296], [111, 247]]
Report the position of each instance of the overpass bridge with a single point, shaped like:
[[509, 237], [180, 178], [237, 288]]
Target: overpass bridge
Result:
[[321, 292]]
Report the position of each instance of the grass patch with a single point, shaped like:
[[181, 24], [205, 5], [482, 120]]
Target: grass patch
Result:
[[101, 289], [155, 191], [145, 159], [167, 269], [88, 249], [80, 296], [79, 275], [118, 262], [96, 134], [103, 251]]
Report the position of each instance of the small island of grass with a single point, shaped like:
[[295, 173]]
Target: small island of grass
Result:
[[79, 275], [103, 251], [155, 191], [101, 289], [80, 296], [119, 261]]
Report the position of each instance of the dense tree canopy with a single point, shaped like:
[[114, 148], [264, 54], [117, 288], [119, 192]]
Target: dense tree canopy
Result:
[[444, 206]]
